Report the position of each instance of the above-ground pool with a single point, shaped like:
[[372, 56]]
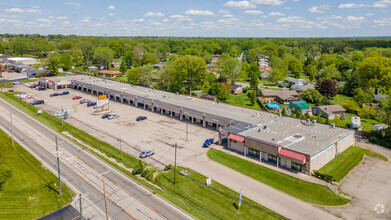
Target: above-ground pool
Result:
[[273, 105]]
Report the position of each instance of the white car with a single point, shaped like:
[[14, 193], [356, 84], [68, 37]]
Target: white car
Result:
[[16, 83], [58, 114]]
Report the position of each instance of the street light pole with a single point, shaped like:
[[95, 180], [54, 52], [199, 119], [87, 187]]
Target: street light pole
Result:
[[175, 165], [58, 164], [187, 131], [104, 193], [81, 207], [120, 144], [12, 132]]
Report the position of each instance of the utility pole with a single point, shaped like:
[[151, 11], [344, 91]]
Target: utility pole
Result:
[[187, 131], [58, 164], [104, 193], [81, 207], [175, 165], [12, 132], [120, 144]]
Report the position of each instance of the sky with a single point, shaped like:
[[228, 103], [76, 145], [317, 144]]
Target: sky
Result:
[[201, 18]]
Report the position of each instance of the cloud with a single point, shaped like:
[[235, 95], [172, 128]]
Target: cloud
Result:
[[296, 0], [75, 4], [381, 4], [229, 21], [291, 19], [44, 20], [154, 14], [181, 18], [86, 19], [199, 12], [319, 9], [62, 18], [240, 4], [276, 14], [138, 20], [32, 10], [253, 12], [223, 11], [369, 14], [267, 2], [353, 18], [228, 16], [351, 5], [111, 7]]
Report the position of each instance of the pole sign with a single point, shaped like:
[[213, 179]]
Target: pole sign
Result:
[[102, 97], [240, 197]]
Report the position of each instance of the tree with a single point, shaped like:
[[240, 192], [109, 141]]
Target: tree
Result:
[[230, 68], [277, 75], [2, 49], [214, 88], [254, 77], [311, 70], [191, 51], [253, 54], [253, 97], [270, 49], [123, 68], [295, 66], [375, 72], [146, 74], [103, 56], [129, 58], [20, 45], [225, 91], [384, 110], [327, 88], [330, 72], [77, 57], [66, 46], [149, 58], [66, 61], [116, 47], [362, 96], [134, 75], [53, 63], [312, 96], [189, 70]]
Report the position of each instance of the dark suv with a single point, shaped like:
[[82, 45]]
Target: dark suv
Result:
[[91, 104], [37, 102]]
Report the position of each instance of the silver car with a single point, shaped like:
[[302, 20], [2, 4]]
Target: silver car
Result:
[[146, 153]]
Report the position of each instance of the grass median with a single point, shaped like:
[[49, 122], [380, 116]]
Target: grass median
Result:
[[306, 191], [190, 193], [341, 165], [27, 190]]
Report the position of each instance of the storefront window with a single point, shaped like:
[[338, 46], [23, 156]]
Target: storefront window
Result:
[[272, 158], [296, 166], [253, 152]]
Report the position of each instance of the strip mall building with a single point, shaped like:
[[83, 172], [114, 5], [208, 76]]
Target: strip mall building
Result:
[[287, 142]]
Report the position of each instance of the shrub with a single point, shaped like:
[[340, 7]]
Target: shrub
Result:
[[381, 137], [148, 174], [138, 168], [325, 177], [168, 167], [245, 90], [351, 107]]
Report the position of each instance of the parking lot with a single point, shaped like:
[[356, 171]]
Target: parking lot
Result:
[[158, 132]]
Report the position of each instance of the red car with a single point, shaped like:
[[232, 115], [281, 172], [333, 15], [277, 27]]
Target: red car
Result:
[[76, 97]]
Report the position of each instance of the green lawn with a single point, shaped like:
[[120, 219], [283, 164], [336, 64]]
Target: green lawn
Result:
[[191, 196], [341, 99], [31, 191], [341, 165], [367, 124], [306, 191], [242, 100]]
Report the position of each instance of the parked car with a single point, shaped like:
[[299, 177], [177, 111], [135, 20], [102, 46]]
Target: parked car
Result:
[[40, 88], [105, 116], [146, 153], [76, 97], [140, 118], [84, 101], [11, 90], [208, 142], [112, 116], [65, 93], [54, 94], [23, 96], [37, 102], [16, 83], [89, 104], [58, 114]]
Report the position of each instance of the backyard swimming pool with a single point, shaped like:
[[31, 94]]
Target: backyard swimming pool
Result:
[[273, 105]]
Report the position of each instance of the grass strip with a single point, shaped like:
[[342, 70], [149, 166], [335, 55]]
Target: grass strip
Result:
[[306, 191], [190, 194], [342, 164], [31, 191]]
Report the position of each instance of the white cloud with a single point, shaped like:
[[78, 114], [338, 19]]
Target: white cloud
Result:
[[267, 2], [354, 18], [86, 19], [44, 20], [111, 7], [32, 10], [223, 11], [291, 19], [62, 18], [138, 20], [351, 5], [154, 14], [75, 4], [199, 12], [228, 16], [276, 14], [165, 20], [296, 0], [369, 14], [181, 18], [319, 9], [381, 4], [229, 21], [253, 12], [240, 4]]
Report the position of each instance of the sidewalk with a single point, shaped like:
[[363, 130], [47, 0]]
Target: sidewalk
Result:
[[265, 195]]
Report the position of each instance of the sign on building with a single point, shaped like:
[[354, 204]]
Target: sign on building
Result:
[[102, 97]]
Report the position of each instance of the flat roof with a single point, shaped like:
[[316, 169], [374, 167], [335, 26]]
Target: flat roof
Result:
[[20, 58], [278, 129]]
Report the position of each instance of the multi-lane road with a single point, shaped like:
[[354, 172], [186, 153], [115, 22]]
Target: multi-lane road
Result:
[[82, 172]]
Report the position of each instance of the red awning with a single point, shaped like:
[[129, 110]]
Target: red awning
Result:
[[236, 138], [292, 154]]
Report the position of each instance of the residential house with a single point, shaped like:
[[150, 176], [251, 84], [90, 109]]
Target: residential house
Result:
[[282, 96], [302, 88], [22, 60], [329, 111], [265, 75], [300, 107], [377, 98], [294, 81], [116, 65], [236, 89], [92, 68], [109, 73]]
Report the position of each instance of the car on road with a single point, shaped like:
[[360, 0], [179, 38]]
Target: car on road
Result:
[[146, 153], [141, 118], [84, 101], [112, 116], [54, 94], [58, 114], [105, 116], [208, 142], [76, 97], [89, 104], [16, 83], [37, 102], [65, 93]]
